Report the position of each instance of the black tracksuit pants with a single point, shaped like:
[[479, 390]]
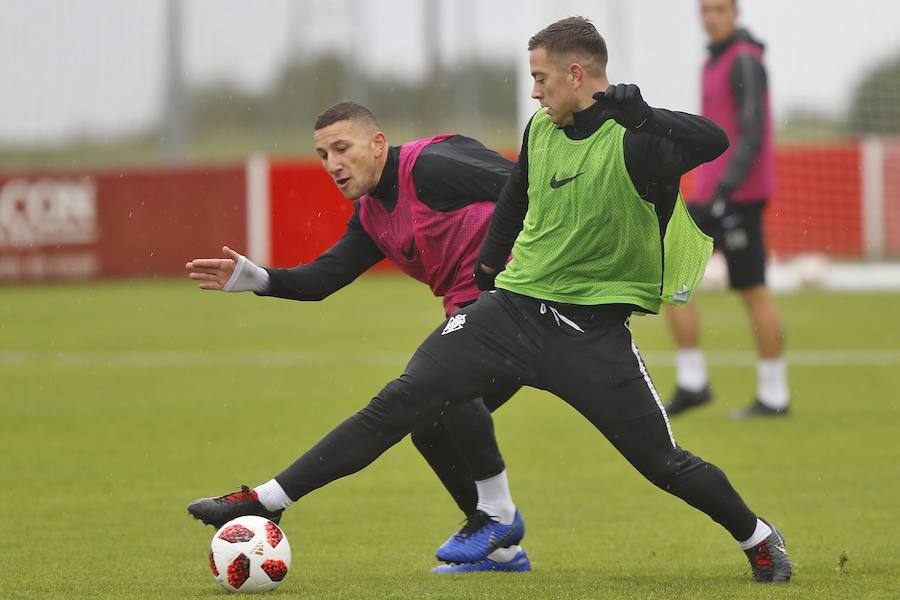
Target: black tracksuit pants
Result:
[[460, 446], [583, 354]]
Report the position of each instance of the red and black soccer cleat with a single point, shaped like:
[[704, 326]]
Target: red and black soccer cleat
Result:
[[219, 510], [769, 559]]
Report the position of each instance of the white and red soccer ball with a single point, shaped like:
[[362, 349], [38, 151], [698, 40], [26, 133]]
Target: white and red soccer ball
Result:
[[249, 555]]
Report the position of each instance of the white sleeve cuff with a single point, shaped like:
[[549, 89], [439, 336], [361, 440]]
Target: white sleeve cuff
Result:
[[247, 277]]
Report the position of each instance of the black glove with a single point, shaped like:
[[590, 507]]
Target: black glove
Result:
[[624, 104], [483, 279]]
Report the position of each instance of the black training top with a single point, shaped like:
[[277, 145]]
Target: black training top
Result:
[[665, 147], [448, 175]]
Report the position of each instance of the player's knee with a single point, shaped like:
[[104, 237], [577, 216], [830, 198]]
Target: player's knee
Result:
[[668, 469], [427, 435], [400, 405]]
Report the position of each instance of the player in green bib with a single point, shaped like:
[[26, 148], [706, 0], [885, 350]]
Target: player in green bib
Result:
[[616, 262], [597, 231]]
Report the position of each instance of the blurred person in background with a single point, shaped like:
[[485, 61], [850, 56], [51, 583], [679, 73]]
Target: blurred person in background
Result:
[[425, 206], [728, 203]]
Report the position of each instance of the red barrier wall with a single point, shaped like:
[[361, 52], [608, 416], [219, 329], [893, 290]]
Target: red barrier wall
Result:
[[817, 207], [892, 198], [817, 204], [308, 213], [104, 224], [143, 222]]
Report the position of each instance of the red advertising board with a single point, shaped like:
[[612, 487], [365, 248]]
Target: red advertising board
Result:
[[308, 213], [103, 224], [891, 193], [817, 203], [817, 206], [287, 212]]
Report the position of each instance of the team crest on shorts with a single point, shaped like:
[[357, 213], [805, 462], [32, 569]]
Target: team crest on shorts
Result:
[[455, 323]]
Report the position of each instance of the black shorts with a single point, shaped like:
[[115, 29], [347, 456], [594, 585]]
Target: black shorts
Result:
[[739, 236]]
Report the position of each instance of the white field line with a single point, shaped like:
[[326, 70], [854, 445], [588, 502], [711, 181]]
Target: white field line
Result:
[[194, 358]]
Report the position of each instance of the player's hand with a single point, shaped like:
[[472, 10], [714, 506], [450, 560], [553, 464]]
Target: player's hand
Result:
[[484, 277], [718, 206], [625, 105], [233, 273]]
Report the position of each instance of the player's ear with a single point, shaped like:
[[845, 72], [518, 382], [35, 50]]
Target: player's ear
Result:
[[379, 143], [575, 74]]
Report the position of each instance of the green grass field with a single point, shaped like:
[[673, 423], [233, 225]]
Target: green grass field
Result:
[[121, 402]]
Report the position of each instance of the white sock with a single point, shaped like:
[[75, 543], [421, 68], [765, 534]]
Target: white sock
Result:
[[503, 555], [272, 496], [690, 369], [762, 532], [772, 388], [495, 499]]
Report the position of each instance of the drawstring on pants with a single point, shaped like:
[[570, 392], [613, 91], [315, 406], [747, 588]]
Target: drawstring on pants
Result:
[[559, 317]]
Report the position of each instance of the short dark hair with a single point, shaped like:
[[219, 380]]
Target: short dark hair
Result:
[[572, 35], [346, 111]]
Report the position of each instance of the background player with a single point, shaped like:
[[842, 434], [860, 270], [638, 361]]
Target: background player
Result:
[[584, 212], [425, 206], [728, 204]]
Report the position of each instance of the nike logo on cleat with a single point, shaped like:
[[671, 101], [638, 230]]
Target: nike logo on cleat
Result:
[[556, 184]]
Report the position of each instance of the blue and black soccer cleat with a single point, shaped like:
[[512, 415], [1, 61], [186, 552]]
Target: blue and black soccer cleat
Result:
[[519, 564], [219, 510], [481, 535]]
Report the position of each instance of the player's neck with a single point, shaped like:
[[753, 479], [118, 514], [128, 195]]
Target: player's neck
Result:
[[586, 99], [723, 39], [380, 164]]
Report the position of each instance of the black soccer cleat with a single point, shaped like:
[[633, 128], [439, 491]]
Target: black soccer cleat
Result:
[[769, 559], [218, 511], [758, 409], [683, 400]]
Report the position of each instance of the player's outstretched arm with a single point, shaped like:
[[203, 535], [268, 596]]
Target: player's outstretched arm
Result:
[[351, 256], [232, 273]]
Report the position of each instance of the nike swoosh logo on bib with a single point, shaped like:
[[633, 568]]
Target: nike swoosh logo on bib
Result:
[[556, 184]]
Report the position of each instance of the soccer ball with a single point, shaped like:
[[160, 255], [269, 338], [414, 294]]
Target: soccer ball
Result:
[[811, 269], [250, 554]]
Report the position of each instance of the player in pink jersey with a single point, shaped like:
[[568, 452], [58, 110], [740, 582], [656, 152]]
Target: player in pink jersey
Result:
[[728, 202], [425, 206]]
